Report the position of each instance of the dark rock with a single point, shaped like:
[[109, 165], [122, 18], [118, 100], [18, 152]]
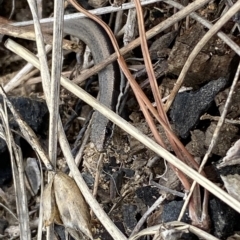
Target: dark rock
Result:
[[189, 106], [189, 236], [228, 170], [34, 113], [60, 232], [148, 195], [225, 220], [172, 210], [128, 172], [159, 48], [236, 17], [3, 225], [113, 162], [88, 179], [129, 217], [5, 169]]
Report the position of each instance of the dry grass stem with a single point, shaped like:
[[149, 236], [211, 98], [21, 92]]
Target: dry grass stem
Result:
[[155, 229], [18, 176], [44, 70], [55, 79], [23, 74], [98, 11]]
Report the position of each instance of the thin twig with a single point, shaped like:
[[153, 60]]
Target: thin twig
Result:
[[9, 210], [13, 9], [29, 34], [168, 190], [40, 223], [217, 118]]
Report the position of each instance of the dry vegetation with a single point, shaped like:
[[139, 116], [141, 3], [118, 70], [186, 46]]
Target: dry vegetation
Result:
[[162, 152]]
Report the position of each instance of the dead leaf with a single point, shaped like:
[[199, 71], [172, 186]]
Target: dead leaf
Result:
[[50, 211], [236, 236], [232, 184], [33, 174], [74, 211], [232, 156]]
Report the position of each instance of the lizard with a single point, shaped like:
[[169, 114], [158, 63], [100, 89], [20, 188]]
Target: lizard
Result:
[[92, 34], [109, 78]]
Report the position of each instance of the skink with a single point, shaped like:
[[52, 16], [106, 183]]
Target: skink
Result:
[[109, 78]]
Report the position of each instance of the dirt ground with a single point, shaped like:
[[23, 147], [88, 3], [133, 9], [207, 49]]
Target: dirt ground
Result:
[[130, 177]]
